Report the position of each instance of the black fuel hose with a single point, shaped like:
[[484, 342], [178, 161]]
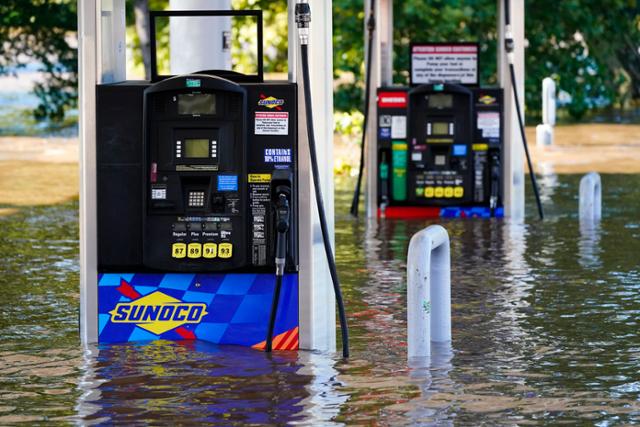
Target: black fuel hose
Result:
[[283, 223], [319, 200], [371, 26], [509, 47], [274, 310]]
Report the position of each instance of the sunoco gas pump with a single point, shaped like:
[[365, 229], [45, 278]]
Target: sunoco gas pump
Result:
[[439, 145], [441, 138], [197, 189]]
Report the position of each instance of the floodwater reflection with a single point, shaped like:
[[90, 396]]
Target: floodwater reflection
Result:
[[138, 382], [545, 329]]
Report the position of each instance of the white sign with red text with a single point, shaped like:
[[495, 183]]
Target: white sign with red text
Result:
[[443, 63]]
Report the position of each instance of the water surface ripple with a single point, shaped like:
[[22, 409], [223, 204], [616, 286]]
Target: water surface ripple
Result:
[[545, 330]]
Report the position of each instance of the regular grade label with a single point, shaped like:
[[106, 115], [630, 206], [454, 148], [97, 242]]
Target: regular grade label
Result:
[[272, 123]]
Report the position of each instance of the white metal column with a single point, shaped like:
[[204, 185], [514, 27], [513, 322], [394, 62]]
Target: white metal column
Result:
[[317, 301], [196, 43], [101, 34], [88, 14], [381, 75], [513, 149]]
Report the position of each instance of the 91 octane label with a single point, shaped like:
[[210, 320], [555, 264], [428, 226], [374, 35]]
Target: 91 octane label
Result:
[[272, 123]]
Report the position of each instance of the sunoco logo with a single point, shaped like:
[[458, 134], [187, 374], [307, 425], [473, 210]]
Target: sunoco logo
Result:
[[271, 102], [487, 100], [158, 312]]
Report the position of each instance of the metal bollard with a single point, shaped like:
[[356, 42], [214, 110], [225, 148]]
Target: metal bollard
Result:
[[544, 132], [428, 291], [590, 197], [544, 136]]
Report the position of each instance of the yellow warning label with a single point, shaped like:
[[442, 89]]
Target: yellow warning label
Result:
[[259, 178], [480, 147]]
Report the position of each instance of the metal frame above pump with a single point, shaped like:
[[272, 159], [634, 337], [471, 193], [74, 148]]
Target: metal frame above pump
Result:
[[445, 146], [198, 230]]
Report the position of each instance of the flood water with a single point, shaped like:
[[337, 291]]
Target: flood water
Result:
[[545, 330]]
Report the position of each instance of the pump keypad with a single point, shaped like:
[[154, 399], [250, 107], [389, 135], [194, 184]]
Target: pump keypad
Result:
[[196, 199]]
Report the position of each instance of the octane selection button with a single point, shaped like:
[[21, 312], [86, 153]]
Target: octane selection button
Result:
[[448, 192], [179, 250], [194, 250], [209, 250], [225, 250], [429, 192]]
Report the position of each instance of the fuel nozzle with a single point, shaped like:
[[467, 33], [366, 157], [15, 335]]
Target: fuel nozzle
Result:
[[495, 182], [281, 184], [283, 223]]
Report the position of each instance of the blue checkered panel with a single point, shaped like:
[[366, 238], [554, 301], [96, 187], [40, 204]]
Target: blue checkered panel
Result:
[[219, 308]]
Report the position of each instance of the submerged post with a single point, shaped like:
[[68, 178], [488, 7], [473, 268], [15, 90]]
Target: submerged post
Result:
[[590, 197], [428, 291], [544, 132]]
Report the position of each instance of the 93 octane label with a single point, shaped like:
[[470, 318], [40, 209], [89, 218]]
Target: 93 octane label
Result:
[[272, 123]]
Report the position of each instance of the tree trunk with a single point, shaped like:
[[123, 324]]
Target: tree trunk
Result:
[[141, 10]]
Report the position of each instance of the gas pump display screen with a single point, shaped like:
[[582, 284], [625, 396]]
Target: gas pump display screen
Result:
[[440, 128], [197, 104], [196, 148], [441, 101]]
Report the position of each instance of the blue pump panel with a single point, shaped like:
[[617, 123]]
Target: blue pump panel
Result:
[[219, 308]]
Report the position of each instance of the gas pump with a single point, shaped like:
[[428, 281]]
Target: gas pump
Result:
[[443, 136], [198, 205], [437, 148]]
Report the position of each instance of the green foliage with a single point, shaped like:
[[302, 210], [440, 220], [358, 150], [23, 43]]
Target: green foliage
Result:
[[42, 30], [414, 20], [590, 47], [275, 33]]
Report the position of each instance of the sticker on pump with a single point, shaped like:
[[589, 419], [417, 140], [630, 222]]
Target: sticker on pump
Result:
[[227, 182], [272, 123], [489, 124], [399, 127], [277, 155], [392, 99]]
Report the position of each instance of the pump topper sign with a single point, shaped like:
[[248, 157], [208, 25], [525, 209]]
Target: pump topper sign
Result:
[[444, 63]]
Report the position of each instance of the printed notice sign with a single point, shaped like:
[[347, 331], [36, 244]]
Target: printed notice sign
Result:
[[489, 124], [272, 123], [399, 127], [444, 63]]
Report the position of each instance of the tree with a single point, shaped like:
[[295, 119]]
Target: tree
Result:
[[590, 47], [44, 31]]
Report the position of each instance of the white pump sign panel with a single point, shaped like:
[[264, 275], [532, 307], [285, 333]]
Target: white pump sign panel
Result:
[[444, 63]]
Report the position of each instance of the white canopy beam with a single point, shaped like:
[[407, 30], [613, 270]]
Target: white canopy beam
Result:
[[381, 75], [513, 154]]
